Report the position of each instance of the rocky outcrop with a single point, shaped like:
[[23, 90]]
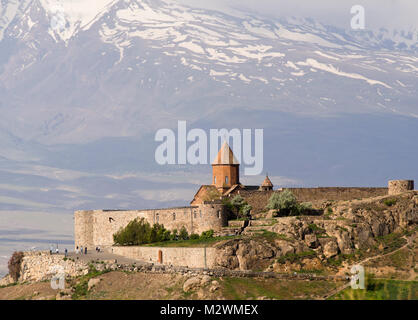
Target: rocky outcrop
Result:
[[353, 225], [243, 254], [41, 265]]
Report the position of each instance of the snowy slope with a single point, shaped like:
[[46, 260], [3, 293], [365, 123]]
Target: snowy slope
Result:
[[69, 70]]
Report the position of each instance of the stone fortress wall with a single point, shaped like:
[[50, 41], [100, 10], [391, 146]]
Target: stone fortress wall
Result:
[[400, 186], [96, 227], [259, 199]]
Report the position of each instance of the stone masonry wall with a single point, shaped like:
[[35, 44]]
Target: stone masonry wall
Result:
[[400, 186], [96, 228], [259, 199], [183, 257], [40, 265], [337, 193]]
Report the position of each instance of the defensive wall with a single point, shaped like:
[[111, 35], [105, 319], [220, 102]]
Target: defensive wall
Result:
[[184, 257], [259, 199], [96, 227]]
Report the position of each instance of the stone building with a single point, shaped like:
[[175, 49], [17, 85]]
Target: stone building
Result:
[[207, 211], [96, 227]]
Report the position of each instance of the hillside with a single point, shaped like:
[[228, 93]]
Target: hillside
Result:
[[303, 257]]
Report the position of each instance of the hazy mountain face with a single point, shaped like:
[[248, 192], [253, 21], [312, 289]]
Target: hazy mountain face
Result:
[[84, 86]]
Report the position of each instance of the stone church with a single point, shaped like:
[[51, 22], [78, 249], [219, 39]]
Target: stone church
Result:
[[225, 179]]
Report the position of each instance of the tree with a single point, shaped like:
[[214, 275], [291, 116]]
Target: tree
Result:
[[183, 235], [139, 232], [15, 264], [240, 207], [287, 203], [246, 210]]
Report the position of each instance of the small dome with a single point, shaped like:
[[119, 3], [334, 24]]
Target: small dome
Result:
[[267, 182]]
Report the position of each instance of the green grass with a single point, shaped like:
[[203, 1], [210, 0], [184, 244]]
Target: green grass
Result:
[[390, 202], [253, 288], [296, 257], [191, 243], [9, 285], [81, 288], [391, 241], [379, 289], [315, 229]]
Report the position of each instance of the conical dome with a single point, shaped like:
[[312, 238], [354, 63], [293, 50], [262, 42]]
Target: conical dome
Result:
[[225, 156], [267, 182]]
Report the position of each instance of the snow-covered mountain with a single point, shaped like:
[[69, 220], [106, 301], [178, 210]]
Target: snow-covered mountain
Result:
[[84, 85], [69, 70]]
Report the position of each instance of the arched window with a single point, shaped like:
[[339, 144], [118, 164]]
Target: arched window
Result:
[[226, 179], [157, 218], [200, 213], [174, 216], [194, 214], [219, 214]]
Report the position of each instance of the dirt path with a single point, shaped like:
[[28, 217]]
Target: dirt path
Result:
[[409, 241]]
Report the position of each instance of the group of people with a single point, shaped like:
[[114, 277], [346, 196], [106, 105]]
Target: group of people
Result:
[[81, 250], [57, 251]]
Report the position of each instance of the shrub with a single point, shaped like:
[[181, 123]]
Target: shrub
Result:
[[287, 204], [207, 235], [194, 236], [183, 235], [174, 235], [15, 264], [390, 202]]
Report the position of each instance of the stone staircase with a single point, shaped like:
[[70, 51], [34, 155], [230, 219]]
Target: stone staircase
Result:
[[234, 228], [248, 228], [258, 226]]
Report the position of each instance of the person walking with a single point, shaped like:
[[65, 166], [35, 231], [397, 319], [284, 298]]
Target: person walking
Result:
[[85, 250], [81, 249], [77, 251], [65, 252]]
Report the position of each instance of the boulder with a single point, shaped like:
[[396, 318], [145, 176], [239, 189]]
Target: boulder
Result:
[[344, 242], [330, 249], [311, 240], [284, 247], [205, 280], [215, 286], [6, 280], [250, 253], [92, 283], [191, 284]]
